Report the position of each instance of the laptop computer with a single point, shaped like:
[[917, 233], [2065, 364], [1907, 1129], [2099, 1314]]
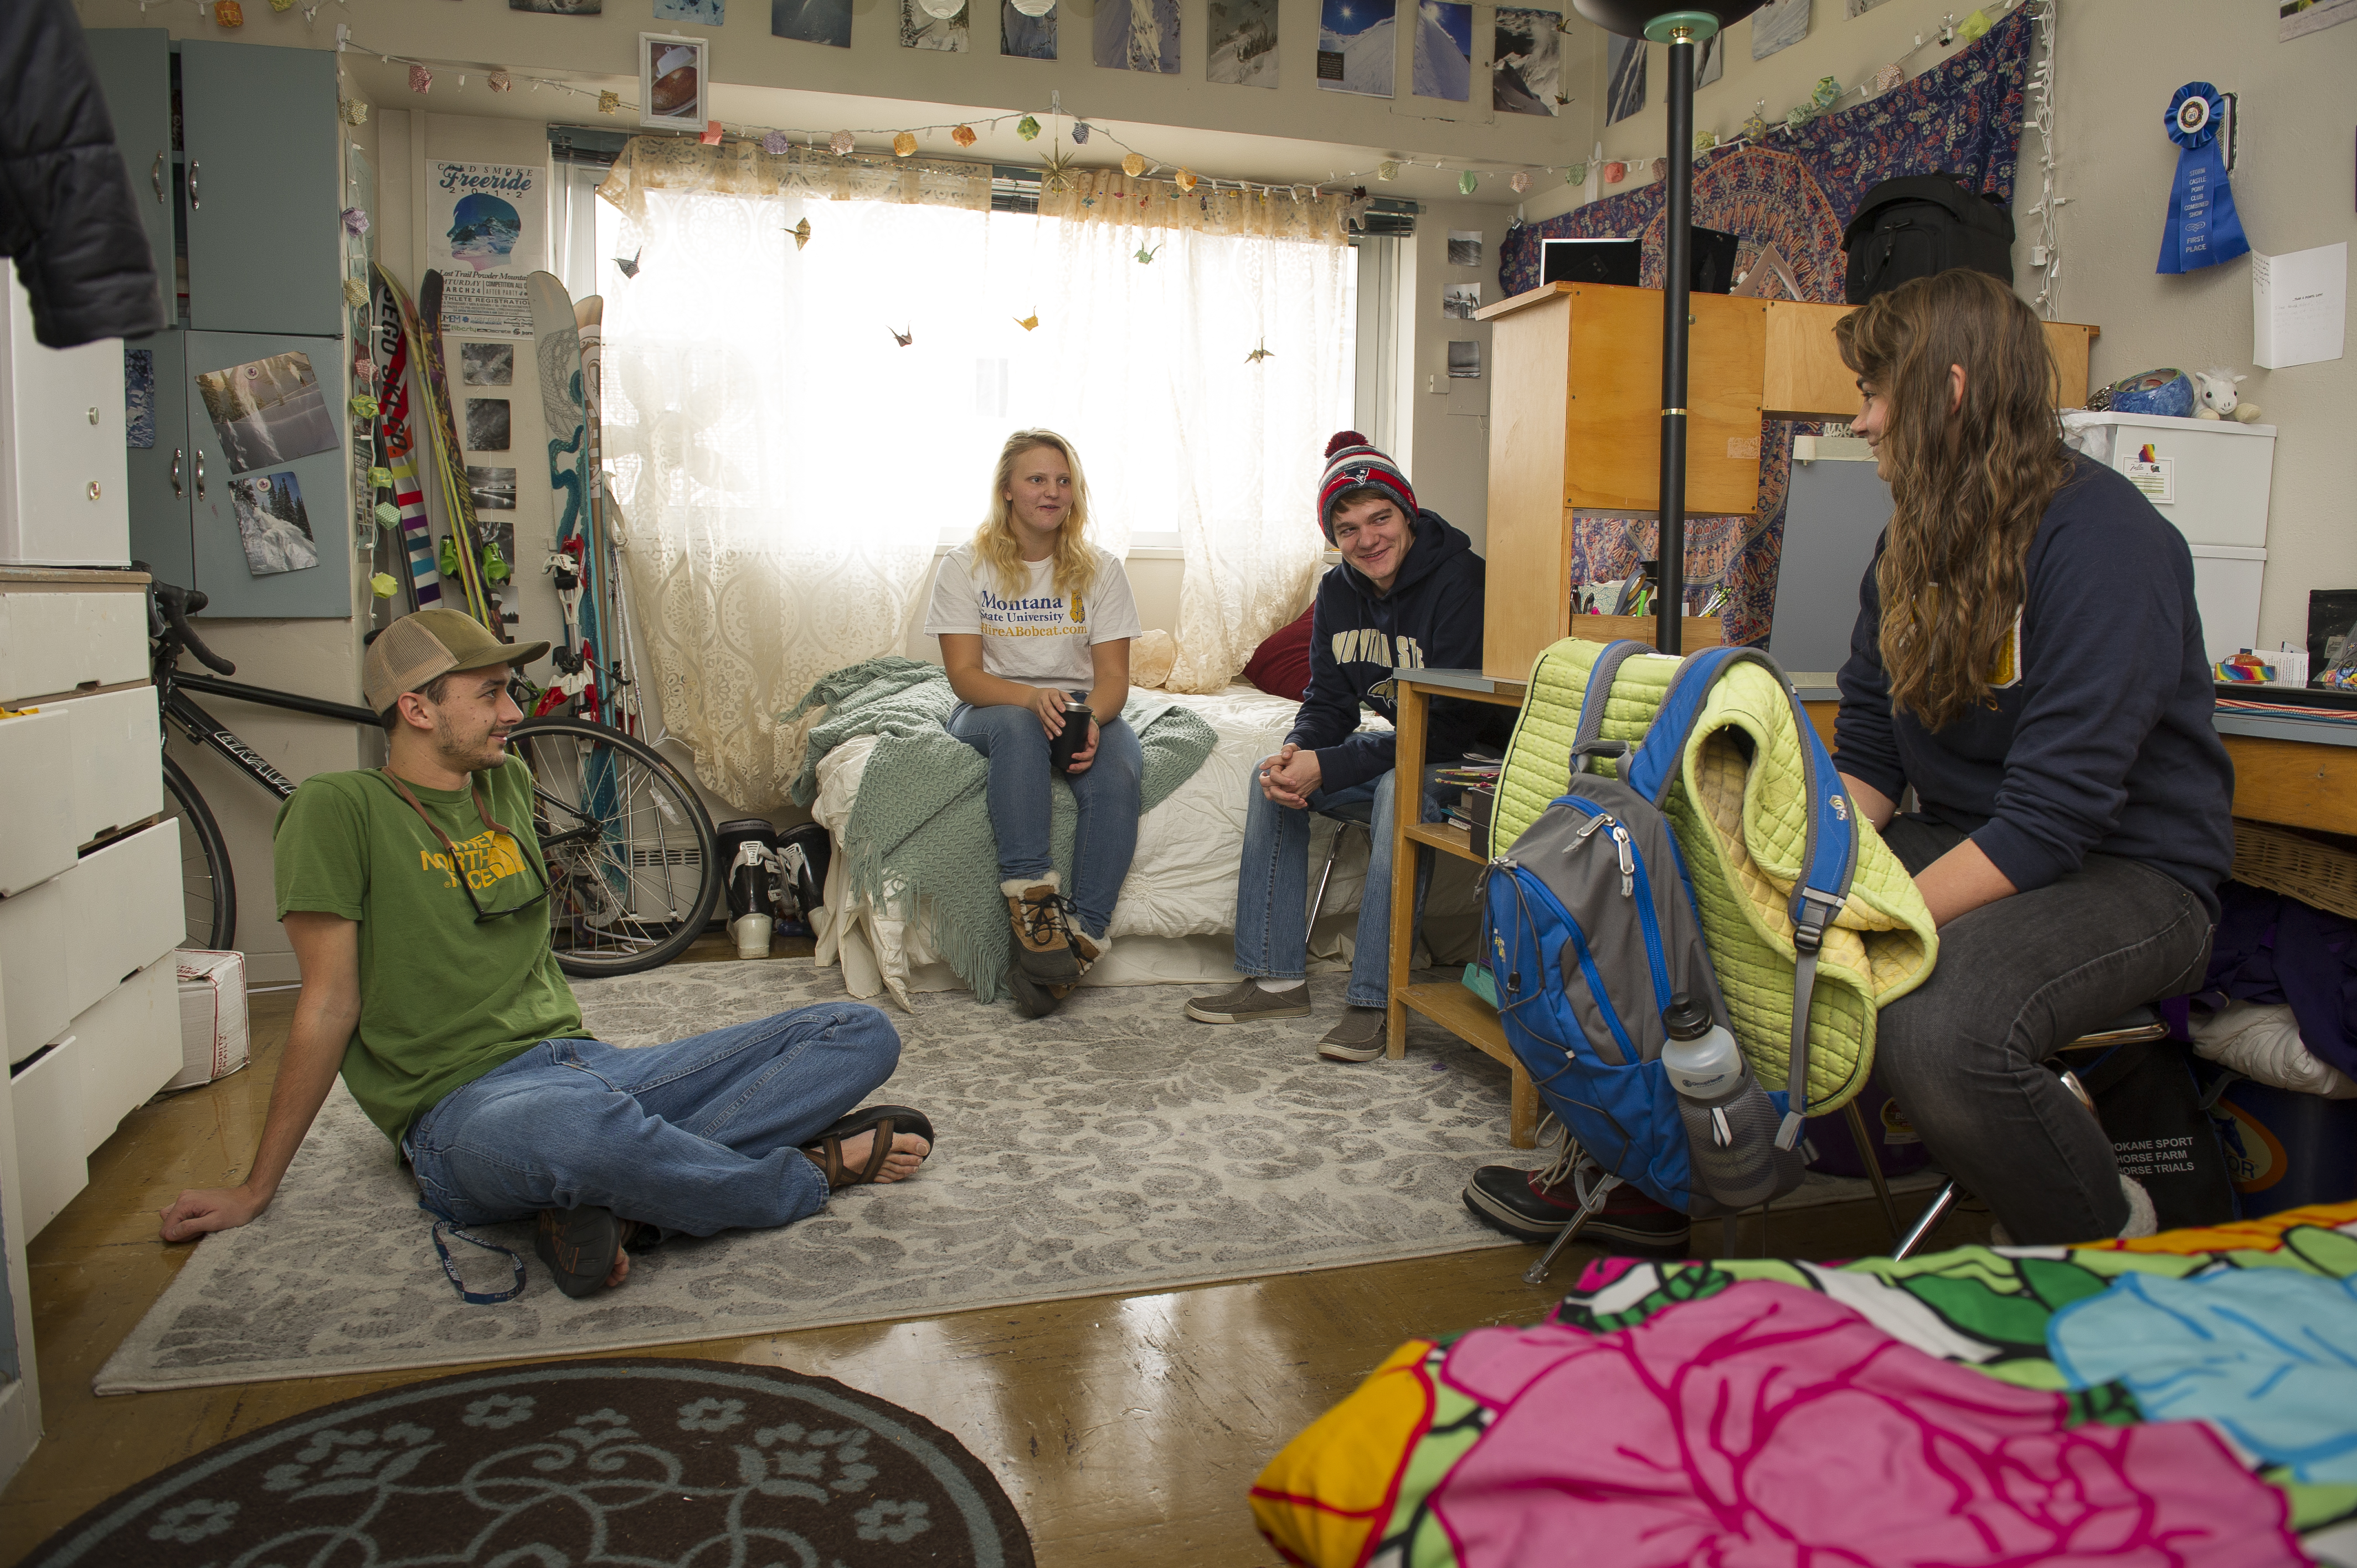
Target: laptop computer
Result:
[[1617, 261]]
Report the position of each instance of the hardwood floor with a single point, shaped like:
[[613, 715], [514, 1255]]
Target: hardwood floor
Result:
[[1126, 1429]]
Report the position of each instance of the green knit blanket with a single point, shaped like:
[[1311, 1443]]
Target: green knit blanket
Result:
[[920, 828]]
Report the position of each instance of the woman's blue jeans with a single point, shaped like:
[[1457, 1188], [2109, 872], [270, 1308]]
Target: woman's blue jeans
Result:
[[701, 1135], [1273, 887], [1020, 797]]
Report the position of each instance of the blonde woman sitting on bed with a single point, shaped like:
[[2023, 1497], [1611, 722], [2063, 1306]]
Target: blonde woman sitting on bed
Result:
[[1031, 617]]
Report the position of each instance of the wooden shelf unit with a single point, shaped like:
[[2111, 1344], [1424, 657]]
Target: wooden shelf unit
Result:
[[1447, 1003]]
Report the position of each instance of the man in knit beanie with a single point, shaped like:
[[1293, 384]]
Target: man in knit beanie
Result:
[[1407, 594]]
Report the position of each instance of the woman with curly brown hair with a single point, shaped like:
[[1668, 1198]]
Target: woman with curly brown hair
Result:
[[2029, 659]]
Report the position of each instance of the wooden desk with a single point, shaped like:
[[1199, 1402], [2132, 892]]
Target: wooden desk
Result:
[[2298, 782], [1447, 1003]]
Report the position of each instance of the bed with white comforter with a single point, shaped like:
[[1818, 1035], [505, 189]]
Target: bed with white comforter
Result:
[[1176, 918]]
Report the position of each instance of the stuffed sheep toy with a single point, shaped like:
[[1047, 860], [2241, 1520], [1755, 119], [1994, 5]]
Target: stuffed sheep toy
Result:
[[2215, 397]]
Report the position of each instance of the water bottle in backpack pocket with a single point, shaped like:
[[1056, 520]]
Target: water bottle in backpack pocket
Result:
[[1730, 1123]]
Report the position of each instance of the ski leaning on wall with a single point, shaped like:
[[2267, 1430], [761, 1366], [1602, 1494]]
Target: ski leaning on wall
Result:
[[399, 449], [573, 563], [463, 561]]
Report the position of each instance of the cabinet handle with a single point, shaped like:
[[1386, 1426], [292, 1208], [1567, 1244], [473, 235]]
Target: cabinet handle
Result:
[[178, 492], [155, 176], [193, 167], [201, 472]]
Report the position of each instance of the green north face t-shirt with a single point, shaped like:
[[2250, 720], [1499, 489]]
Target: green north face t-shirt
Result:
[[443, 1000]]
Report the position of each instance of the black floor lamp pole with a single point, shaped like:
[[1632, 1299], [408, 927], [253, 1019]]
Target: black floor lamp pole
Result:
[[1677, 249], [1684, 31]]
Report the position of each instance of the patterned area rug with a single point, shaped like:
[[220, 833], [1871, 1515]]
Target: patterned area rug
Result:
[[1113, 1147], [578, 1463]]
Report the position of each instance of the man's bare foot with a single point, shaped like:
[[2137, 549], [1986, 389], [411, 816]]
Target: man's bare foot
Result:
[[908, 1151]]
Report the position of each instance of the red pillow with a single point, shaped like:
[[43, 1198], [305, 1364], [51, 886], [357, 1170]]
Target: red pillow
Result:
[[1281, 665]]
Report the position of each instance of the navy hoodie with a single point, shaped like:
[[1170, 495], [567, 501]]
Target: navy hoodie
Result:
[[1431, 617], [2102, 742]]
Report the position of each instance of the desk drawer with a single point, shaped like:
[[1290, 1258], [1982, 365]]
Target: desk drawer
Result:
[[118, 777], [37, 780], [123, 910], [52, 642]]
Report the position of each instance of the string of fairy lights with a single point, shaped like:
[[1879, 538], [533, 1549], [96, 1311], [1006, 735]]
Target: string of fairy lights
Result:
[[904, 141]]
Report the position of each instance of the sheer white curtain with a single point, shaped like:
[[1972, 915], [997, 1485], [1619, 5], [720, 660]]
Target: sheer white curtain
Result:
[[786, 464]]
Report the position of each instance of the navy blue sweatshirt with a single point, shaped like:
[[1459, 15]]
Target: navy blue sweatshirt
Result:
[[2102, 742], [1431, 617]]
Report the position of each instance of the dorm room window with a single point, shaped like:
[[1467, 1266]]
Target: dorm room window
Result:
[[794, 428]]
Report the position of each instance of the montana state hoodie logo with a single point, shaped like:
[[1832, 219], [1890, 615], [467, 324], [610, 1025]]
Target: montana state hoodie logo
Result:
[[1080, 614]]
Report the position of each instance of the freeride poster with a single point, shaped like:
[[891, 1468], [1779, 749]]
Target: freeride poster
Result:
[[486, 232]]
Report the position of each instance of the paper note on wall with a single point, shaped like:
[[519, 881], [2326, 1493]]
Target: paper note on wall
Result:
[[2299, 306]]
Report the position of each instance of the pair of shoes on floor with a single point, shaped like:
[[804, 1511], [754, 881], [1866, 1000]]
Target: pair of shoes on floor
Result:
[[1535, 1206], [1360, 1036], [887, 1121]]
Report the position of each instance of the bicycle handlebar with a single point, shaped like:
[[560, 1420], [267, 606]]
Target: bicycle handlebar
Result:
[[173, 606]]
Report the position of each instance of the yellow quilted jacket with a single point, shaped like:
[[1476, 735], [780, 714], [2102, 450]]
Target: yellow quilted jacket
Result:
[[1741, 819]]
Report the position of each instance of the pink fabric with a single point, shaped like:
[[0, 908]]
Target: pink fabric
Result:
[[1769, 1425]]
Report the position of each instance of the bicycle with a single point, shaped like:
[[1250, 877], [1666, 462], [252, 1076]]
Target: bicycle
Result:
[[629, 848]]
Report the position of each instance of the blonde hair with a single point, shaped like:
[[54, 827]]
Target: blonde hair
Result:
[[995, 546]]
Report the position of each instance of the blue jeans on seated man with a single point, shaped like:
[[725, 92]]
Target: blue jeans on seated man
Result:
[[700, 1135], [1105, 839], [1273, 885]]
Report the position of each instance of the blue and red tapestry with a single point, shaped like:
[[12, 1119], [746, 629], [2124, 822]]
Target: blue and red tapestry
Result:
[[1963, 116]]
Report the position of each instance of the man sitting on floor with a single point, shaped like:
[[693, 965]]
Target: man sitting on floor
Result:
[[420, 921], [1407, 594]]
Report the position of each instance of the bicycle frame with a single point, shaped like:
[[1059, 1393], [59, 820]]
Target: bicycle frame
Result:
[[208, 731]]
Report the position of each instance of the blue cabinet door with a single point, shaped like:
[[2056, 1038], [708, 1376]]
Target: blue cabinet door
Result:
[[163, 476], [264, 240], [269, 469], [135, 71]]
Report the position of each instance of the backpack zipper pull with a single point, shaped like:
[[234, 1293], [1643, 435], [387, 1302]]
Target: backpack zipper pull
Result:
[[1628, 860], [1602, 820]]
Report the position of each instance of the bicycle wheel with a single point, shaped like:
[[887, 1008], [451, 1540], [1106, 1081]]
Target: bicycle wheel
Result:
[[208, 889], [629, 849]]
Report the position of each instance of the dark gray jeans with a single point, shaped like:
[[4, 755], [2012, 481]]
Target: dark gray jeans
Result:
[[2016, 979]]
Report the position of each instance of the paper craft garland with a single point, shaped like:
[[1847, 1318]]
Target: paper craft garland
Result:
[[2203, 228]]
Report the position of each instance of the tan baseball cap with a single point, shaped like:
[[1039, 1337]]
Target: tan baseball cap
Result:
[[415, 648]]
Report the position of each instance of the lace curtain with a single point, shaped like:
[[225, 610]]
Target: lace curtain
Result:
[[788, 464]]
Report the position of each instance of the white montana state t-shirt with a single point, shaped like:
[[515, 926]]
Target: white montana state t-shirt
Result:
[[1038, 638]]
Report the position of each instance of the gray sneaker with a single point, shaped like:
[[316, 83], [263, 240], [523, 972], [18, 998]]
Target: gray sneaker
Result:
[[1247, 1002], [1359, 1037]]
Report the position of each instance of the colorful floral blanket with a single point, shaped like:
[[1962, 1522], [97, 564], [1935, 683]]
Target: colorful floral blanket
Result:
[[2189, 1398]]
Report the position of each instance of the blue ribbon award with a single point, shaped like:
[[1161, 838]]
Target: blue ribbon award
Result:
[[2203, 228]]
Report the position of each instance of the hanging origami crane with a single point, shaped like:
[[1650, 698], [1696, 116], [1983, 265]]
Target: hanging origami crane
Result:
[[903, 338], [1263, 352], [801, 234], [630, 265], [1029, 323], [1145, 254]]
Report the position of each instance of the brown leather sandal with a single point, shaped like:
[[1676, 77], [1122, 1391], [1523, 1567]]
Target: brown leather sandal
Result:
[[887, 1121]]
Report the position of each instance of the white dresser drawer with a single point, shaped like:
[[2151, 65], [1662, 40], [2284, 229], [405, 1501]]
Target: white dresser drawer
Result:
[[60, 640], [131, 1048], [38, 783], [33, 943], [112, 1061], [123, 910], [118, 773], [52, 1164]]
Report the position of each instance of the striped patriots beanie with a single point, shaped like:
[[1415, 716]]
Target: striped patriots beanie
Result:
[[1352, 463]]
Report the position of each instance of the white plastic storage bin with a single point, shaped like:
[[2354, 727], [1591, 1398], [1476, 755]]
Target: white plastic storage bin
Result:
[[2226, 587], [215, 1039], [2212, 475], [64, 483]]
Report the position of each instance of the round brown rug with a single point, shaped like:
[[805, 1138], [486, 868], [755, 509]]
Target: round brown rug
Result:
[[573, 1465]]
